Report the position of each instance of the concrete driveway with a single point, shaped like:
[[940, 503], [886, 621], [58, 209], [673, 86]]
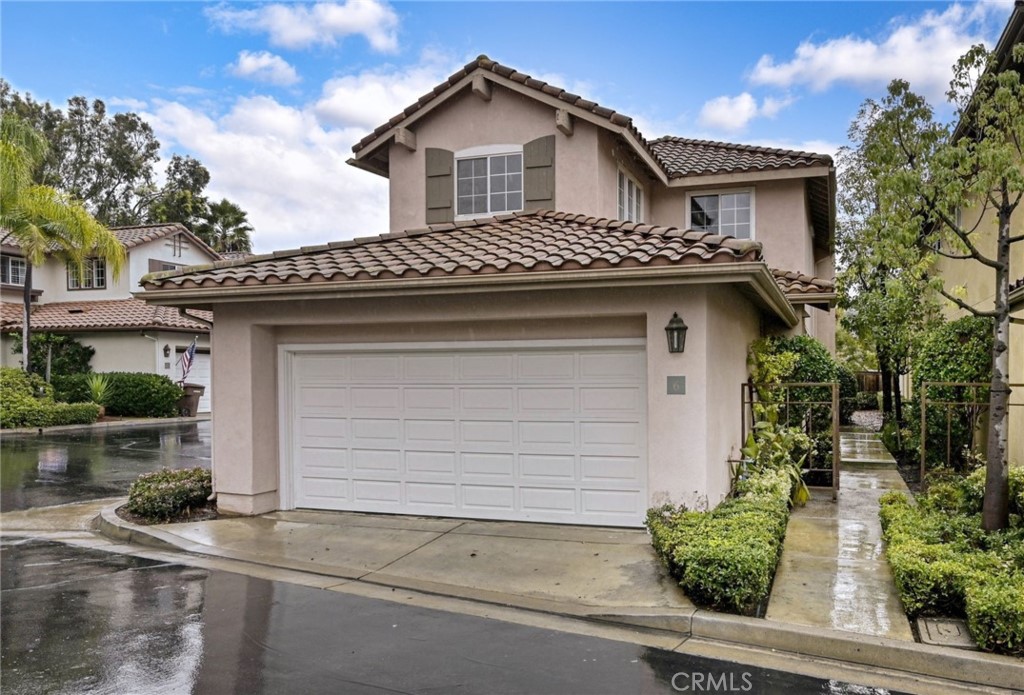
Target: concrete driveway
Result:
[[604, 573]]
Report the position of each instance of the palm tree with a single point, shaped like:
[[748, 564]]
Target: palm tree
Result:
[[226, 228], [41, 220]]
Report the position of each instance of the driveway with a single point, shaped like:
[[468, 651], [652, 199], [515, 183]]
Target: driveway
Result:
[[570, 570], [60, 468]]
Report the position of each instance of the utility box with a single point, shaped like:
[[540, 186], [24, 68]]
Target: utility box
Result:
[[188, 404]]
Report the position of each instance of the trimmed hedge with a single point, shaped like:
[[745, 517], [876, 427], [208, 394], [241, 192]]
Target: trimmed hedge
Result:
[[129, 394], [943, 563], [167, 493], [726, 558], [20, 406]]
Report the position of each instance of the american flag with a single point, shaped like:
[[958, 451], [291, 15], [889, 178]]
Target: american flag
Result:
[[186, 360]]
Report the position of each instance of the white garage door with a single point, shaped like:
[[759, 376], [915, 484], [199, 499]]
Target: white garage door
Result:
[[531, 433], [199, 374]]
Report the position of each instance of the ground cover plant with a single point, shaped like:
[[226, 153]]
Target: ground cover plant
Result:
[[169, 495], [26, 400], [944, 563]]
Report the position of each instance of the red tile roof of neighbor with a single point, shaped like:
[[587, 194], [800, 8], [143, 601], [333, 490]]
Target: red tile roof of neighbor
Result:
[[513, 243], [678, 157], [794, 283], [138, 234], [104, 315]]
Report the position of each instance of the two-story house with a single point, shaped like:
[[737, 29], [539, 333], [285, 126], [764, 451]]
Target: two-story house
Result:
[[977, 280], [555, 329], [99, 310]]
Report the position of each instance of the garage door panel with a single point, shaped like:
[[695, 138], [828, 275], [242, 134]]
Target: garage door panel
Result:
[[478, 463], [531, 434]]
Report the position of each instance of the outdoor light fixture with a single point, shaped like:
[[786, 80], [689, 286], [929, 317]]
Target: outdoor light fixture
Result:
[[167, 350], [676, 332]]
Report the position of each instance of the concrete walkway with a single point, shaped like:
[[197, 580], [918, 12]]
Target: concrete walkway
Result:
[[833, 572]]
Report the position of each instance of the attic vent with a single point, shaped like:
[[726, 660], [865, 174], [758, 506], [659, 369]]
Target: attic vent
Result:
[[76, 311]]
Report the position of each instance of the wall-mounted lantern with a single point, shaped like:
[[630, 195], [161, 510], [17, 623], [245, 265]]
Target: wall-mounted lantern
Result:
[[167, 350], [676, 332]]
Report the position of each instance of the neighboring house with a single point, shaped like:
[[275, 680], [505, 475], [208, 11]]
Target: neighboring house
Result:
[[978, 281], [503, 353], [99, 310]]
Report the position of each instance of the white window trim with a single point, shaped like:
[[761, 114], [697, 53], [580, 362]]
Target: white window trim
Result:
[[9, 262], [725, 191], [473, 153], [72, 274], [643, 195]]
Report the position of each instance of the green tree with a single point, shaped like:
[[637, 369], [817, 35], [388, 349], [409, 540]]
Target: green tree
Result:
[[43, 221], [181, 197], [226, 228], [926, 173]]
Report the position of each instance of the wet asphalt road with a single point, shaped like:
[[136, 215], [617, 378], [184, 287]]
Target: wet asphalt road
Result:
[[43, 470], [80, 621]]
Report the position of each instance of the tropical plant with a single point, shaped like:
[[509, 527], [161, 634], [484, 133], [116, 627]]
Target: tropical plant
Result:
[[43, 221], [99, 387], [226, 228]]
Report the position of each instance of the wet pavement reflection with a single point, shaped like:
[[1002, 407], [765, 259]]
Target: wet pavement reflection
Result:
[[44, 470], [74, 621]]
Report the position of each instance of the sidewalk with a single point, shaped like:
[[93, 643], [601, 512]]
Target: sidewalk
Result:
[[108, 424], [833, 572]]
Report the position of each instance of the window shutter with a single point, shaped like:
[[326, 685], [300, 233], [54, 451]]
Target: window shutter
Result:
[[440, 185], [539, 174]]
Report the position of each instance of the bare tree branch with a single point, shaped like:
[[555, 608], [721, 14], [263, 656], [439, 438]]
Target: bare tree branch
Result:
[[965, 306]]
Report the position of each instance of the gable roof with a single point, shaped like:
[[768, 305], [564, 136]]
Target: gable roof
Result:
[[687, 157], [515, 243], [105, 315], [136, 235]]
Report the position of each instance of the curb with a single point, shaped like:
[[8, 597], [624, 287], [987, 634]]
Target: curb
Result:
[[968, 667], [110, 425]]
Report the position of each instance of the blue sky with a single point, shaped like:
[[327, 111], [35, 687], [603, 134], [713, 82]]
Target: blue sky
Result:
[[271, 96]]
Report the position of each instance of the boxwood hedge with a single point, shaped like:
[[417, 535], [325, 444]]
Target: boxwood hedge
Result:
[[166, 494], [129, 394], [27, 401]]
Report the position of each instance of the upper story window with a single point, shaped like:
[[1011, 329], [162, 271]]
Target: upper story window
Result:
[[12, 270], [631, 198], [488, 182], [727, 213], [93, 276]]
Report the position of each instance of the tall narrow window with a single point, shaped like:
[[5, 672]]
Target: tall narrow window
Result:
[[729, 214], [489, 184], [631, 199], [93, 277]]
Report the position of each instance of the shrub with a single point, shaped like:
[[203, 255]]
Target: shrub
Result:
[[726, 558], [167, 493], [129, 394], [995, 614], [27, 401], [866, 401], [67, 355]]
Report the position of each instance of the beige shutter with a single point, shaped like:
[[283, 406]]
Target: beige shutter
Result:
[[440, 185], [539, 174]]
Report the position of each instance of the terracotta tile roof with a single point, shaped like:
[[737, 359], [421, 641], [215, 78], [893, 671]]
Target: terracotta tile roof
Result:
[[10, 312], [487, 65], [101, 315], [515, 243], [794, 283], [686, 157], [139, 234], [1016, 292]]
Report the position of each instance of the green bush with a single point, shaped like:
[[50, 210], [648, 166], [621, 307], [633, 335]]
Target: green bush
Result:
[[166, 494], [865, 401], [726, 558], [27, 401], [129, 394], [944, 563], [957, 351], [67, 355]]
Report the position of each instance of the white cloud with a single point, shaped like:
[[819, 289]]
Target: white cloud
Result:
[[264, 66], [127, 102], [920, 50], [735, 113], [298, 26]]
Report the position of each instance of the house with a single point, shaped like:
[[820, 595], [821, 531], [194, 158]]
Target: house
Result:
[[504, 351], [100, 311], [978, 281]]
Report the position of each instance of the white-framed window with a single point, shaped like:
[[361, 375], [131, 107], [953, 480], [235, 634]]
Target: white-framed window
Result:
[[631, 198], [730, 213], [12, 270], [488, 180], [93, 277]]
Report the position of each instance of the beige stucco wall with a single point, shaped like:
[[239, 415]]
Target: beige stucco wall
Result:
[[686, 463], [978, 283], [507, 119]]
